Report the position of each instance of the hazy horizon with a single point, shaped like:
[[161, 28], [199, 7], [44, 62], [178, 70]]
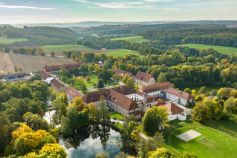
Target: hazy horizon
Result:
[[72, 11]]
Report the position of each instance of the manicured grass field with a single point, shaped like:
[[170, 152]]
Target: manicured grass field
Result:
[[61, 48], [133, 39], [218, 140], [5, 40], [221, 49], [121, 52]]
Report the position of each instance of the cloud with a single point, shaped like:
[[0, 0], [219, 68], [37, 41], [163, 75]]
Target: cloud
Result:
[[24, 7], [122, 5], [80, 1]]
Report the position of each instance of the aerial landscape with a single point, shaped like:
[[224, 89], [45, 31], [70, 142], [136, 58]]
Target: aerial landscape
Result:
[[118, 79]]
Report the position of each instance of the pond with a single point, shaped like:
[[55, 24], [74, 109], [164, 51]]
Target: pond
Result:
[[90, 147], [93, 140]]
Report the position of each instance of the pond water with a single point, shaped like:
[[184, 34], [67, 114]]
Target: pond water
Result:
[[91, 141], [90, 147]]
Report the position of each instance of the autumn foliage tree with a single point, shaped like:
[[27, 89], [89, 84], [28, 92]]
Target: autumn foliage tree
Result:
[[154, 120], [26, 140]]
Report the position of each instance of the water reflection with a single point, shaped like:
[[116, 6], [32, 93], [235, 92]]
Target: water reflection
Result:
[[90, 140], [88, 143]]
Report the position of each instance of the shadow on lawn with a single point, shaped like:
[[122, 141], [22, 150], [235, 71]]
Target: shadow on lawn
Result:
[[171, 133], [228, 126]]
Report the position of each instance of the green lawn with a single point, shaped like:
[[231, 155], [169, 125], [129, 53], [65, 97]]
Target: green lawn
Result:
[[5, 40], [90, 84], [133, 39], [117, 116], [219, 139], [221, 49], [121, 52], [61, 48]]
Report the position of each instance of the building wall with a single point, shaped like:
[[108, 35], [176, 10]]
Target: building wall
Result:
[[117, 108], [155, 93], [176, 99], [135, 96]]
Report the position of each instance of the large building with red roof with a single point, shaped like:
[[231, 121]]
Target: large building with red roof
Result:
[[144, 79]]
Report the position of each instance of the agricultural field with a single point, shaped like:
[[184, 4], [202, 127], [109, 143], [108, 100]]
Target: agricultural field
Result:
[[26, 63], [5, 40], [61, 48], [6, 64], [120, 52], [133, 39], [221, 49], [218, 139]]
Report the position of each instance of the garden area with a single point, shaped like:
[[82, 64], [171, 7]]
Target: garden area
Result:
[[85, 79]]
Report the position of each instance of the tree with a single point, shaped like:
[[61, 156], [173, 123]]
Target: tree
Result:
[[102, 155], [130, 83], [52, 150], [203, 89], [76, 118], [83, 88], [233, 93], [60, 104], [103, 113], [154, 120], [26, 140], [200, 112], [52, 53], [224, 93], [121, 155], [161, 153], [7, 50], [16, 108], [41, 52], [4, 131], [230, 106], [100, 83], [162, 77], [35, 121], [206, 110], [188, 90]]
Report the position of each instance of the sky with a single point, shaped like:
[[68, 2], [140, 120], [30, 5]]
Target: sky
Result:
[[69, 11]]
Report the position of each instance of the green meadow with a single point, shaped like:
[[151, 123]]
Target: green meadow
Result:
[[121, 52], [221, 49], [61, 48], [6, 40], [218, 139], [133, 39]]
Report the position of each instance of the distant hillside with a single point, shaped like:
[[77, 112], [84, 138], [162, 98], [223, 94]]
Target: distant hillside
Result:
[[102, 23], [39, 35]]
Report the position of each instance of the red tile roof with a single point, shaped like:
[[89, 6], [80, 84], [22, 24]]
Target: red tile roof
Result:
[[173, 108], [57, 84], [44, 75], [125, 90], [73, 92], [122, 72], [156, 87], [52, 68], [143, 76], [95, 96], [122, 100], [115, 95], [179, 93]]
